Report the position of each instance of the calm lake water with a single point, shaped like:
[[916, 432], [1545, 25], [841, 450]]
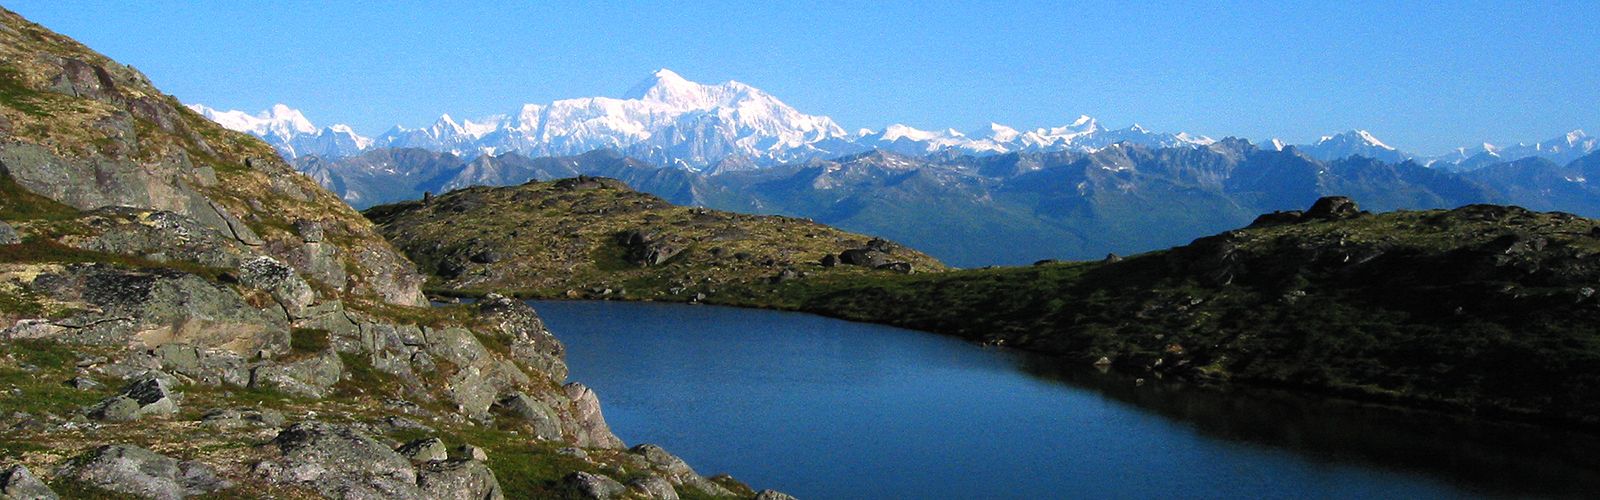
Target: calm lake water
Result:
[[822, 408]]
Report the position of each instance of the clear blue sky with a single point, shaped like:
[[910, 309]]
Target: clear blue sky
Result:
[[1426, 76]]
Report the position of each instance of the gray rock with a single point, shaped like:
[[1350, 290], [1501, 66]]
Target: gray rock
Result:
[[18, 483], [310, 377], [574, 452], [773, 495], [340, 462], [594, 486], [235, 418], [587, 423], [153, 307], [677, 471], [393, 423], [545, 421], [310, 231], [531, 342], [84, 383], [470, 452], [654, 487], [138, 472], [863, 257], [288, 288], [458, 480], [8, 236], [425, 450], [144, 396]]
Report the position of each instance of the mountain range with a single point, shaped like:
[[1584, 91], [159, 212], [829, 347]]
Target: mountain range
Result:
[[669, 120], [1012, 208]]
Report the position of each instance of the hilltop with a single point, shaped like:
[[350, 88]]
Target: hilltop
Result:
[[595, 237]]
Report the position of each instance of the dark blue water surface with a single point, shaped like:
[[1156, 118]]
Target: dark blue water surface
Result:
[[823, 408]]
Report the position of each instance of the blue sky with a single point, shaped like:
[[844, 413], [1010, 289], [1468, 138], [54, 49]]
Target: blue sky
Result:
[[1425, 76]]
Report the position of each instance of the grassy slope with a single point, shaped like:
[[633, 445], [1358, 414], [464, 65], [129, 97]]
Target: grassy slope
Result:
[[1439, 308], [552, 237]]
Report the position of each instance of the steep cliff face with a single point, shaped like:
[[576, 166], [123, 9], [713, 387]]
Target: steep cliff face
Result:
[[183, 314]]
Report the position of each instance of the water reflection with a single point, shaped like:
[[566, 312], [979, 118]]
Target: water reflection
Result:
[[1493, 457]]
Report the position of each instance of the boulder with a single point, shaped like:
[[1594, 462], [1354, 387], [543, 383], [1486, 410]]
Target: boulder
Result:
[[1333, 208], [18, 483], [594, 486], [545, 421], [8, 236], [146, 395], [310, 231], [339, 461], [458, 480], [278, 279], [587, 423], [677, 471], [654, 487], [899, 267], [310, 377], [829, 260], [1278, 218], [236, 418], [863, 257], [425, 450], [138, 472]]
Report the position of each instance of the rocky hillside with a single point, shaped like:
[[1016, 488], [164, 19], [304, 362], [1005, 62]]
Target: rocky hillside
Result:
[[181, 314], [595, 237], [1483, 308]]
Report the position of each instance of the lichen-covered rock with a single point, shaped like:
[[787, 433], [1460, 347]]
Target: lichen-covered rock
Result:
[[531, 342], [425, 450], [339, 462], [311, 377], [144, 396], [154, 307], [142, 473], [458, 480], [654, 487], [8, 236], [544, 420], [17, 483], [594, 486], [587, 424], [288, 288], [677, 471], [236, 418]]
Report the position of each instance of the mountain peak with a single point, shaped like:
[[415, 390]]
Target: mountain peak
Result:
[[664, 85]]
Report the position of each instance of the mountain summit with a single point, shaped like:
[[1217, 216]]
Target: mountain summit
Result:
[[667, 119]]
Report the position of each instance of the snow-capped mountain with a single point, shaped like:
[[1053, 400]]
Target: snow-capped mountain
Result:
[[288, 130], [1084, 134], [669, 120], [1561, 150], [1352, 143]]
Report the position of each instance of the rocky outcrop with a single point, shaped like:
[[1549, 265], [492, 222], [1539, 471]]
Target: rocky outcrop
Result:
[[339, 462], [587, 425], [18, 483], [141, 473], [342, 462], [594, 486], [677, 471]]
